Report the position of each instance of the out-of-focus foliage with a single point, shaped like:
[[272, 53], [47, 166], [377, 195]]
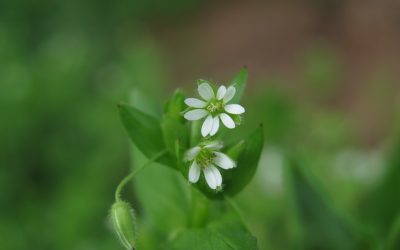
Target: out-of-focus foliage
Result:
[[63, 68]]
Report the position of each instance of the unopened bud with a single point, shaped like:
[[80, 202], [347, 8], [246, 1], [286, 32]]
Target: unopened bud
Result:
[[123, 219]]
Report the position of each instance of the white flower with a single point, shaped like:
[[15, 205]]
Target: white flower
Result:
[[214, 108], [206, 157]]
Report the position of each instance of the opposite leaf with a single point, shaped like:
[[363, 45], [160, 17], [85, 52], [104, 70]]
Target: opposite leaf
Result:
[[145, 131], [247, 162], [173, 125], [239, 82]]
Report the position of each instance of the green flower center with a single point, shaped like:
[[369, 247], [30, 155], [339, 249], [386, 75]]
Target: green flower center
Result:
[[205, 157], [215, 107]]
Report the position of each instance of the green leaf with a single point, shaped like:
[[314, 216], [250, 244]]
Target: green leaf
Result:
[[145, 131], [175, 106], [174, 132], [163, 195], [144, 103], [174, 128], [322, 226], [223, 232], [239, 82], [195, 135], [236, 179]]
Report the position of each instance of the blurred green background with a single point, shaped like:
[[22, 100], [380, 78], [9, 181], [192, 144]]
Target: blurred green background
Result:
[[323, 81]]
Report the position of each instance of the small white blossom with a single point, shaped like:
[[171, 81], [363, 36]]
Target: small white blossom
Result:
[[206, 157], [214, 108]]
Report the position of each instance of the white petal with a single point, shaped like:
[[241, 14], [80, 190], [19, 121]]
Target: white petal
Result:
[[191, 153], [221, 92], [230, 93], [207, 126], [234, 109], [223, 161], [210, 177], [206, 91], [195, 114], [217, 175], [214, 145], [194, 172], [227, 120], [215, 126], [195, 103]]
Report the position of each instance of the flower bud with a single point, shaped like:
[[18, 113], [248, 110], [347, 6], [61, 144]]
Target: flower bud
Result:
[[123, 219]]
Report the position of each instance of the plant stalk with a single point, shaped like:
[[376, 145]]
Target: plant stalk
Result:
[[134, 173]]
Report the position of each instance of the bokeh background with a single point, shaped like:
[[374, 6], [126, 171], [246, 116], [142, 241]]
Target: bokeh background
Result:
[[323, 79]]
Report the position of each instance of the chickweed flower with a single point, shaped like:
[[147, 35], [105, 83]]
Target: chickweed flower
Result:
[[206, 157], [213, 107]]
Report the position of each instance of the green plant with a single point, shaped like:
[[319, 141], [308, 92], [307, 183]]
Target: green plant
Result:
[[178, 140]]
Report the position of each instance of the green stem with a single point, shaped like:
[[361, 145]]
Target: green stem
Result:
[[234, 206], [133, 174]]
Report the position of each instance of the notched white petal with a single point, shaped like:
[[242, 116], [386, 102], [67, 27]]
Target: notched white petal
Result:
[[235, 109], [195, 103], [227, 120], [221, 92], [223, 161], [194, 172], [205, 91], [191, 153], [207, 126], [230, 93], [215, 126], [195, 114], [217, 175], [210, 177]]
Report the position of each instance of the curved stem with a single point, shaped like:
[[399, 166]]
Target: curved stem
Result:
[[131, 175]]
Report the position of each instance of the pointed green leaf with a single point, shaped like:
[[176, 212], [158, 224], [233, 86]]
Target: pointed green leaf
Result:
[[235, 150], [145, 131], [239, 82], [175, 131], [237, 178], [195, 134], [163, 195], [175, 106]]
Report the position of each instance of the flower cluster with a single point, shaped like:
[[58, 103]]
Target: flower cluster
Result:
[[206, 157]]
